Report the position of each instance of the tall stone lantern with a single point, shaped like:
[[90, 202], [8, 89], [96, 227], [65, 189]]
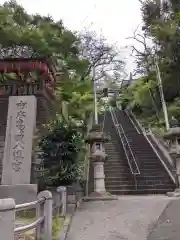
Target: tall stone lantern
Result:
[[96, 139], [173, 135]]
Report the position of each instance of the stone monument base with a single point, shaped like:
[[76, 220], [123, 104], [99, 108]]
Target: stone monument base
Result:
[[21, 193]]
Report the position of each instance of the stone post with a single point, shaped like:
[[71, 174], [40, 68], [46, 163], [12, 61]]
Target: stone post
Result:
[[173, 135], [7, 218], [96, 139], [47, 224], [63, 200]]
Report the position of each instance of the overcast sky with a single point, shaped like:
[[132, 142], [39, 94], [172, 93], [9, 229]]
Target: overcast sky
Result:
[[115, 19]]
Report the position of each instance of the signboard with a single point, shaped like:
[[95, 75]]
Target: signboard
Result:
[[22, 66]]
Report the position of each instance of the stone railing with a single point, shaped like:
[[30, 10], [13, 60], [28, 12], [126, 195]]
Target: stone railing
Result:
[[42, 226]]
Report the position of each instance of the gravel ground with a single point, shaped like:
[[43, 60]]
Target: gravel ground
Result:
[[128, 218]]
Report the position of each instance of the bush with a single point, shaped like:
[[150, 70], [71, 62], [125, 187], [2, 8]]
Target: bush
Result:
[[61, 148]]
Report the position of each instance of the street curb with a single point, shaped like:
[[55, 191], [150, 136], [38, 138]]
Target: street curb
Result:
[[67, 222]]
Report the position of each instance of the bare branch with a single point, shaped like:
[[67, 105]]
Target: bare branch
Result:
[[101, 55]]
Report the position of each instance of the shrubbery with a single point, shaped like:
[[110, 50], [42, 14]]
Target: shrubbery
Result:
[[61, 149]]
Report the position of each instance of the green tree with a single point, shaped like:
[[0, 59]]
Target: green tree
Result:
[[30, 36], [160, 36], [61, 148]]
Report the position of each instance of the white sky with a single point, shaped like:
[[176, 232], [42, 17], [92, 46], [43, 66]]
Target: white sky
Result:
[[115, 19]]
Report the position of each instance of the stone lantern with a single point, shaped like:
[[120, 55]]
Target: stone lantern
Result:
[[173, 134], [96, 139]]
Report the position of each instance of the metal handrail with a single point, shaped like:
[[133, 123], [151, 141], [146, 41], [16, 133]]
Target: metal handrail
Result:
[[30, 226], [20, 207], [103, 121], [34, 224], [137, 170], [42, 224], [149, 134]]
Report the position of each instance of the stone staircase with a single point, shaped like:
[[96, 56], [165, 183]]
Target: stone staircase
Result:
[[153, 177], [119, 179]]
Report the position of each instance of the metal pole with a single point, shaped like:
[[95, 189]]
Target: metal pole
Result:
[[164, 107], [95, 97]]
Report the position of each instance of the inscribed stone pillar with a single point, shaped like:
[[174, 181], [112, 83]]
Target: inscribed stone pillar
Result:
[[16, 166], [21, 122]]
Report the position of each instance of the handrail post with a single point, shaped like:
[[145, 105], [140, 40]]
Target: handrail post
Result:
[[47, 226], [40, 227], [63, 192], [7, 218]]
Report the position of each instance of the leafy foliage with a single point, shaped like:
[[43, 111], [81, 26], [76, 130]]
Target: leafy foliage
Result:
[[160, 36], [25, 35], [61, 148]]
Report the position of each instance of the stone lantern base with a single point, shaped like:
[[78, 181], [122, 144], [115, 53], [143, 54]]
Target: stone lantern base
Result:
[[173, 135]]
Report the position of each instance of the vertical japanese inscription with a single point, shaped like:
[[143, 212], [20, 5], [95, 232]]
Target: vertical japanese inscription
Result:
[[18, 147]]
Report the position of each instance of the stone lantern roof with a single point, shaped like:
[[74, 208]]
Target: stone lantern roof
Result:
[[172, 133], [96, 135]]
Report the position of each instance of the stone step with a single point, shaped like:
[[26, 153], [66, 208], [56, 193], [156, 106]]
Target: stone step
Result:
[[152, 170], [149, 168], [120, 187], [151, 176], [118, 174], [117, 167], [114, 162], [139, 191], [154, 186], [154, 182], [119, 170], [118, 163]]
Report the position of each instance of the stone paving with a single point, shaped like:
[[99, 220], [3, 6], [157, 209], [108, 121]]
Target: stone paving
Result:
[[167, 226], [128, 218]]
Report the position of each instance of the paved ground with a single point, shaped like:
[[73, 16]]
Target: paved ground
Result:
[[128, 218], [168, 225]]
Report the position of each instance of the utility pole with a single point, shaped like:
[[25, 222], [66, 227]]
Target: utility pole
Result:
[[95, 97], [160, 86], [164, 107]]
